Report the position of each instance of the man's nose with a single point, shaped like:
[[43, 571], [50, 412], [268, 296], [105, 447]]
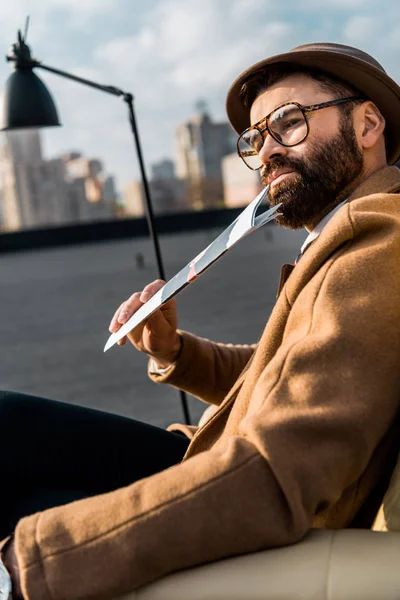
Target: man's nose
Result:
[[271, 149]]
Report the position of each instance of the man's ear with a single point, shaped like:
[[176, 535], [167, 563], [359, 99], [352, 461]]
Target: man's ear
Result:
[[370, 124]]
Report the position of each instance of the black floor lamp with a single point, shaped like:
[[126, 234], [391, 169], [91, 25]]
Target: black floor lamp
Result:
[[26, 102]]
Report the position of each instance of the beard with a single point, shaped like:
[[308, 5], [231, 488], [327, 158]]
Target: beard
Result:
[[320, 181]]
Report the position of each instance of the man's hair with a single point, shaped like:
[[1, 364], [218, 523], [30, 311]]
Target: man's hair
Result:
[[263, 79]]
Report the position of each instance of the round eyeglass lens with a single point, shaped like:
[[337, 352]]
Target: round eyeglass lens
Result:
[[249, 145], [288, 125]]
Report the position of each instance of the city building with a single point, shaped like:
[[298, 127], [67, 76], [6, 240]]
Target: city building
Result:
[[92, 194], [167, 196], [241, 185], [201, 145], [132, 198], [28, 186], [165, 169], [36, 192], [168, 193]]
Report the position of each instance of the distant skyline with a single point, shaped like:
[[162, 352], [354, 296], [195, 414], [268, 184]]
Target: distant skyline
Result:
[[170, 54]]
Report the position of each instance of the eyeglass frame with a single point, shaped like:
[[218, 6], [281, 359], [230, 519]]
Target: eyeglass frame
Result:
[[304, 110]]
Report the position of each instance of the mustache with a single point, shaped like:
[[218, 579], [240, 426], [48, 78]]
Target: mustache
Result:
[[281, 163]]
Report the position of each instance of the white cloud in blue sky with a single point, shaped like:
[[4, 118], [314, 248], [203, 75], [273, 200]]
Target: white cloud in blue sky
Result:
[[169, 53]]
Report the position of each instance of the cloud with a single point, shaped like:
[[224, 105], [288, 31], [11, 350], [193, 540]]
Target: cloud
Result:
[[339, 5], [359, 29], [192, 47], [74, 12], [377, 34], [44, 7]]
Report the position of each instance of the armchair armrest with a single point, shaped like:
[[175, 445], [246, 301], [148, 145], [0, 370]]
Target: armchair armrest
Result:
[[348, 564]]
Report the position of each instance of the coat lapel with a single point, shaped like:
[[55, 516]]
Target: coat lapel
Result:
[[285, 273]]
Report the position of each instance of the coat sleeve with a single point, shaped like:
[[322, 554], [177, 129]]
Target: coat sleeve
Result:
[[317, 413], [206, 369]]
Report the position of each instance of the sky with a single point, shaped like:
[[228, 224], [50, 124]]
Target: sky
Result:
[[169, 54]]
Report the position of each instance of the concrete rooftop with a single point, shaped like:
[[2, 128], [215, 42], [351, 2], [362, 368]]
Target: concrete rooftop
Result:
[[56, 306]]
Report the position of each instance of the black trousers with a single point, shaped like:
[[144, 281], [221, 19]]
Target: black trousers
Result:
[[53, 453]]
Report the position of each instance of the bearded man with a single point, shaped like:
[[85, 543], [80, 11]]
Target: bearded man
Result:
[[305, 430]]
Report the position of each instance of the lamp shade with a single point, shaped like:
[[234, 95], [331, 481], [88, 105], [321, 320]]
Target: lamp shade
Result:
[[26, 102]]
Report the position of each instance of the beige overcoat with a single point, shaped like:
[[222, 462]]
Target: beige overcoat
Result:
[[305, 424]]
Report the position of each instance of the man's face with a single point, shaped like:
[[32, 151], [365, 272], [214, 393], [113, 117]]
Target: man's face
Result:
[[315, 175]]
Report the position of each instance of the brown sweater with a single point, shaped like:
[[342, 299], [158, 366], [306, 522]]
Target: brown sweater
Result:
[[298, 441]]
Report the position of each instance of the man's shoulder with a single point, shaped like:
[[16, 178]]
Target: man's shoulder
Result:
[[380, 210], [384, 180], [374, 201], [368, 233], [360, 218], [379, 191], [374, 204]]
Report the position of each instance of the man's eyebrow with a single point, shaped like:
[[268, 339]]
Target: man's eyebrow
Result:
[[282, 105]]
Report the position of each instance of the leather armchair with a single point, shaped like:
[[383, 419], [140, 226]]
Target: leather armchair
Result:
[[349, 564]]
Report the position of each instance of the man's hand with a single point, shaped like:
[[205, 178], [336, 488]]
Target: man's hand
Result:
[[157, 336], [11, 563]]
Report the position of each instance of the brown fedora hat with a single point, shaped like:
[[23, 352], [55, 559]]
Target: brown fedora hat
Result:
[[349, 64]]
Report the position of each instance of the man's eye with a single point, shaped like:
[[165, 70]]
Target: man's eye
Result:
[[290, 124]]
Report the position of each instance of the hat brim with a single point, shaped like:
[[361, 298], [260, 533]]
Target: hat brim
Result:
[[371, 81]]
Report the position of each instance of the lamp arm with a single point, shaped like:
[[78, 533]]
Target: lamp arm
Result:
[[104, 88]]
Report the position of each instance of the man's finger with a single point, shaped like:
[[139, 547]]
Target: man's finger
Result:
[[114, 324], [151, 289], [129, 308]]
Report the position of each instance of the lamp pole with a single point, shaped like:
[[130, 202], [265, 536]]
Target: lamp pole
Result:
[[21, 57]]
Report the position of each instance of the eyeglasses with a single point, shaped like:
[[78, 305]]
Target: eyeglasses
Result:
[[287, 124]]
